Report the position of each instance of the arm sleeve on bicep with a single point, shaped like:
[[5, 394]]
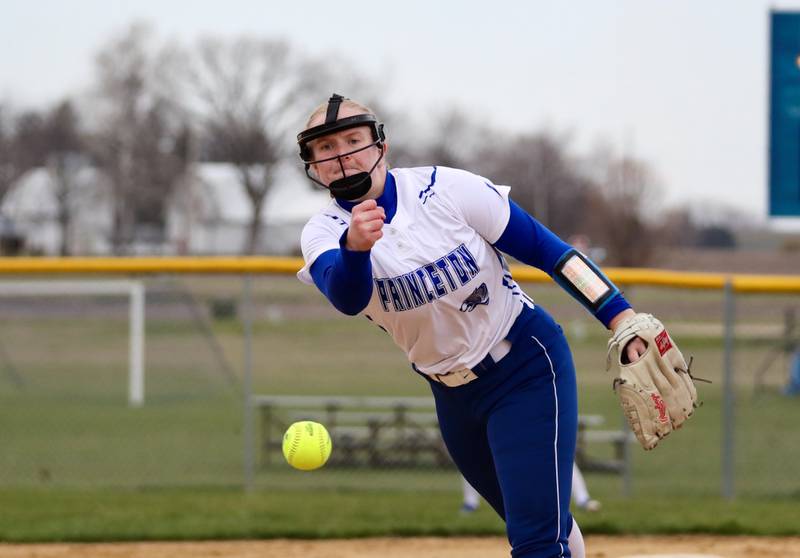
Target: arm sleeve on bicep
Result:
[[529, 241], [344, 277], [532, 243]]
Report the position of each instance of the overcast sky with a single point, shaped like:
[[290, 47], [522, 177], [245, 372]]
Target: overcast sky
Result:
[[679, 83]]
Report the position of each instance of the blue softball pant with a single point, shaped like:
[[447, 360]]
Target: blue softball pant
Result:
[[512, 433]]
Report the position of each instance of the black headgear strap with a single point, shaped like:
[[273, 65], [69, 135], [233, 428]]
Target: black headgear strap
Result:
[[333, 108]]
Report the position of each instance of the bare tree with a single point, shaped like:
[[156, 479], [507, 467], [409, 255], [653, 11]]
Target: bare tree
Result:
[[141, 135], [545, 179], [252, 95], [629, 187], [459, 141], [64, 156], [677, 227], [20, 148], [603, 196], [9, 168]]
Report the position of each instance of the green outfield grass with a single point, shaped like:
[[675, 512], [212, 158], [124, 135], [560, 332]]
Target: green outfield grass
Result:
[[202, 513], [76, 463]]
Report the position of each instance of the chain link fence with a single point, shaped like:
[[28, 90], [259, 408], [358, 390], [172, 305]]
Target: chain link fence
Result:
[[212, 342]]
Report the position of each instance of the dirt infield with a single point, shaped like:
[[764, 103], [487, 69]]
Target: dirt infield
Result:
[[487, 547]]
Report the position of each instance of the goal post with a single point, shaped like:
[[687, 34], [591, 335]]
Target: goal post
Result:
[[135, 292]]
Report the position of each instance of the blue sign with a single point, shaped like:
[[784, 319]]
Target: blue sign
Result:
[[784, 115]]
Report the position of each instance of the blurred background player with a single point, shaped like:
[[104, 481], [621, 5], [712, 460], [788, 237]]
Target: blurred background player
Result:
[[580, 494], [418, 252], [793, 385]]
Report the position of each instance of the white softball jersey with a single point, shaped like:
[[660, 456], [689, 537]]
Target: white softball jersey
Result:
[[440, 289]]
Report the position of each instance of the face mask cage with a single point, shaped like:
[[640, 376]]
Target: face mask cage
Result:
[[347, 187], [306, 136], [378, 143]]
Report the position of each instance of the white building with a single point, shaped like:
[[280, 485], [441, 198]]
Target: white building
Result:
[[31, 205], [209, 213]]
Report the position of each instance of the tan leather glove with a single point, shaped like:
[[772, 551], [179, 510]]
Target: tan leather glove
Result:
[[657, 391]]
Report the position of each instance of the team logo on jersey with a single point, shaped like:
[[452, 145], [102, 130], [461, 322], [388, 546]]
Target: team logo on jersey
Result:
[[429, 282], [336, 218], [427, 193], [478, 296]]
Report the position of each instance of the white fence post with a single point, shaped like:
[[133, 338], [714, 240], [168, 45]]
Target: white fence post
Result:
[[134, 289], [136, 350], [728, 394]]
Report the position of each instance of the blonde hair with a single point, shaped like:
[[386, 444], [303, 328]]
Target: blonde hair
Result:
[[323, 108]]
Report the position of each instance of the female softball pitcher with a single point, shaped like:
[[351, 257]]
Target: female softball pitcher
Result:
[[418, 252]]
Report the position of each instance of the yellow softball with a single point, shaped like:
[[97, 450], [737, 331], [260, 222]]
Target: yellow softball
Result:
[[307, 445]]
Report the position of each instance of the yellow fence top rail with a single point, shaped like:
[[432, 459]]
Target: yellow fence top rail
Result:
[[265, 265], [149, 265]]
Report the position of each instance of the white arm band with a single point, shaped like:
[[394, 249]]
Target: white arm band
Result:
[[583, 280]]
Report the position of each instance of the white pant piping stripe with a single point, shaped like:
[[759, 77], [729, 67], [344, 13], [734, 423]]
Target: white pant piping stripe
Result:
[[555, 445]]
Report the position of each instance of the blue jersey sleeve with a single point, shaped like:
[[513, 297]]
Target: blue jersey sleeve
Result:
[[532, 243], [344, 277]]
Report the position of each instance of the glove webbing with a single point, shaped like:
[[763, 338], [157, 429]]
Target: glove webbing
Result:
[[628, 330]]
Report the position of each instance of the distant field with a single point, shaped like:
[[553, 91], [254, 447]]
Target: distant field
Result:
[[78, 464]]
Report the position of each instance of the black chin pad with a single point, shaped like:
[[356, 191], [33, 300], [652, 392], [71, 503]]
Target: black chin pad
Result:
[[352, 187]]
